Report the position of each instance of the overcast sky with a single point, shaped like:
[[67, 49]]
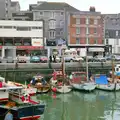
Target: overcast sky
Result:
[[104, 6]]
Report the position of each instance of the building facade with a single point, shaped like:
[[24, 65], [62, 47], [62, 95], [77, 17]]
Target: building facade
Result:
[[20, 36], [53, 13], [22, 15], [7, 7], [112, 31], [86, 28]]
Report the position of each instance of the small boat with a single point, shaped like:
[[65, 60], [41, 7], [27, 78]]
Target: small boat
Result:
[[30, 90], [40, 83], [102, 83], [4, 90], [79, 81], [59, 83], [27, 111]]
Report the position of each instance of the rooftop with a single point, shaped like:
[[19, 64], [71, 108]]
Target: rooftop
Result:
[[54, 6]]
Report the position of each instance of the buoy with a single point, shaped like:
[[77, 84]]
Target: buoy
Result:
[[54, 89]]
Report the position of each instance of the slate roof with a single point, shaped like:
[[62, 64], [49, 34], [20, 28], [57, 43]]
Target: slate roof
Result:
[[55, 6], [13, 3], [112, 21]]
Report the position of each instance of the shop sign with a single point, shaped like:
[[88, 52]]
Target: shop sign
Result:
[[29, 47], [37, 42]]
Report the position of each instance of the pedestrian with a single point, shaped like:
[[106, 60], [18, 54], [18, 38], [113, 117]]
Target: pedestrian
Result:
[[54, 57], [50, 58], [9, 116]]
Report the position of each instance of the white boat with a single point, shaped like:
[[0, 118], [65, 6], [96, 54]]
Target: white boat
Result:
[[79, 82], [64, 89], [109, 87], [102, 83], [4, 90], [90, 86], [57, 83], [30, 90]]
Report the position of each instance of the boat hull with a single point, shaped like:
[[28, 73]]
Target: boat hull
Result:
[[4, 95], [64, 89], [110, 87], [26, 112], [84, 86]]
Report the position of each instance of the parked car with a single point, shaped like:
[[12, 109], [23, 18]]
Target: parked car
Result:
[[97, 59], [35, 59], [43, 59], [77, 59]]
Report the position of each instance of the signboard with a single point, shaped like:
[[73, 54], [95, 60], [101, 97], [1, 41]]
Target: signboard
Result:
[[37, 42], [29, 47], [96, 49]]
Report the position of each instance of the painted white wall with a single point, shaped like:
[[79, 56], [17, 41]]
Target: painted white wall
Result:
[[13, 32]]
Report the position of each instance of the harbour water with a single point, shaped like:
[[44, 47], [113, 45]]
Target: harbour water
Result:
[[76, 105]]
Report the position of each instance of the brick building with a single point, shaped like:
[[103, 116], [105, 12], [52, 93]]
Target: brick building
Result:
[[86, 28]]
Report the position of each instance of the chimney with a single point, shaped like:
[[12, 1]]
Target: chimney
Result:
[[92, 9]]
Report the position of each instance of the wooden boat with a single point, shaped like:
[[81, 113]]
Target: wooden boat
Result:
[[30, 90], [40, 83], [26, 111], [79, 82], [60, 82]]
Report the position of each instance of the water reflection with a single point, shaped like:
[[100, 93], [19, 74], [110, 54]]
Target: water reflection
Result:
[[82, 106]]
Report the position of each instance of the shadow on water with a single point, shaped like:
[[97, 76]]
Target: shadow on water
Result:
[[98, 105]]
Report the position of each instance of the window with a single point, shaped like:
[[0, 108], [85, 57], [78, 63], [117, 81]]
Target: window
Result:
[[87, 30], [77, 30], [95, 41], [41, 13], [52, 24], [77, 21], [87, 21], [23, 28], [52, 14], [62, 13], [61, 23], [116, 33], [52, 34], [95, 21], [95, 30], [107, 42], [77, 40], [8, 27]]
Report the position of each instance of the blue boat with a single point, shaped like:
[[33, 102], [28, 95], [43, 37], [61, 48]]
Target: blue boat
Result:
[[25, 111]]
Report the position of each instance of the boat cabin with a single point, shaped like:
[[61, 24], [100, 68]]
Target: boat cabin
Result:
[[77, 77]]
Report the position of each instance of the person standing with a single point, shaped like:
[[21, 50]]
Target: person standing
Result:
[[9, 116]]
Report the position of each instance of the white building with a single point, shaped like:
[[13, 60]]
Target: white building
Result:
[[23, 35], [115, 44]]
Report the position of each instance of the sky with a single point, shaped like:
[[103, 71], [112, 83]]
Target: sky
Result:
[[104, 6]]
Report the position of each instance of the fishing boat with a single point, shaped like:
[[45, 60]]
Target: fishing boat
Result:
[[60, 82], [4, 90], [79, 81], [30, 90], [27, 111], [40, 83]]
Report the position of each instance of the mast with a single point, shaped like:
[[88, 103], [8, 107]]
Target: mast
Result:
[[113, 70], [87, 65]]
